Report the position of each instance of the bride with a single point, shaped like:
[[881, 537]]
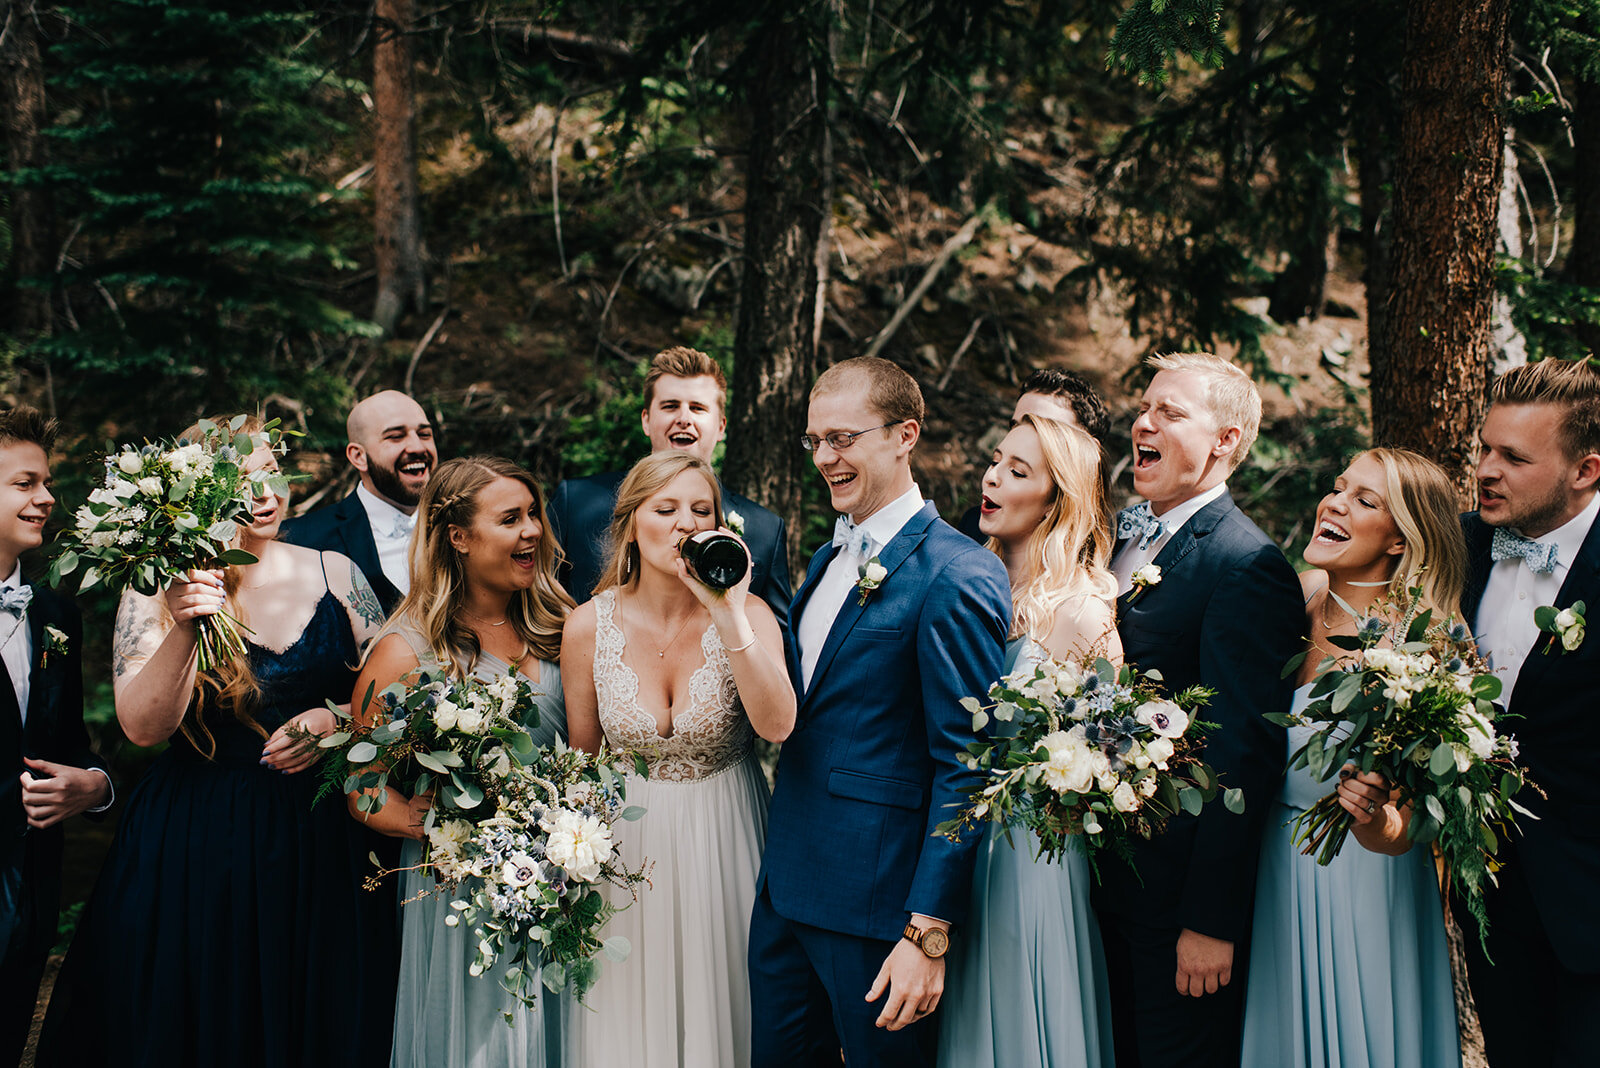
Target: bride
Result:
[[665, 669]]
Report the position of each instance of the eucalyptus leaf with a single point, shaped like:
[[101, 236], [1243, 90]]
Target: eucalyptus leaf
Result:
[[362, 753], [1190, 799], [1442, 761], [1233, 800]]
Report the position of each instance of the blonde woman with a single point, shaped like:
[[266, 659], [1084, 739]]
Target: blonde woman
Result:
[[665, 670], [1348, 964], [1027, 986], [229, 915], [483, 601]]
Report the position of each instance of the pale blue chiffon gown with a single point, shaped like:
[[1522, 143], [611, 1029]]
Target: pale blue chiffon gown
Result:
[[1348, 963], [1026, 986], [445, 1017]]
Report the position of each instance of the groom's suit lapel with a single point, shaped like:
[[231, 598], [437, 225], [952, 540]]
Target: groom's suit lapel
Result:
[[1180, 545], [891, 556]]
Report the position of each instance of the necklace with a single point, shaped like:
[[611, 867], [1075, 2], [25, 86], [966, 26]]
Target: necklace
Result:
[[662, 652], [481, 619]]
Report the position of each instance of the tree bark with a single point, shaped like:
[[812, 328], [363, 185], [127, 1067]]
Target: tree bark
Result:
[[788, 217], [23, 100], [1429, 386], [402, 279]]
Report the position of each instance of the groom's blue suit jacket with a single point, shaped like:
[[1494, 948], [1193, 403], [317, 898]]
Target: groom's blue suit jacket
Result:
[[873, 763], [1556, 696], [1227, 614]]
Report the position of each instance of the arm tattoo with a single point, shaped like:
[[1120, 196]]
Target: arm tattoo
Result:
[[363, 599], [133, 623]]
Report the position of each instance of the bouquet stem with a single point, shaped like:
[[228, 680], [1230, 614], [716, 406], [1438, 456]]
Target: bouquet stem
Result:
[[1324, 826], [220, 638]]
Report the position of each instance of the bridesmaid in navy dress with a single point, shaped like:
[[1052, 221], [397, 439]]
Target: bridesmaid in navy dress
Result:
[[229, 925], [1026, 987]]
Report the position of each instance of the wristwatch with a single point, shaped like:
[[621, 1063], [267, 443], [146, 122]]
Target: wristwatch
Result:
[[933, 941]]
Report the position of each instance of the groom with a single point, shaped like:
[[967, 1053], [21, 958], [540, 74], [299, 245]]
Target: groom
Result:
[[1226, 614], [897, 621], [1533, 542]]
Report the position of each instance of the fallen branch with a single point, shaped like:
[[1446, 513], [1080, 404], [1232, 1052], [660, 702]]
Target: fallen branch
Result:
[[961, 350], [416, 354], [958, 241]]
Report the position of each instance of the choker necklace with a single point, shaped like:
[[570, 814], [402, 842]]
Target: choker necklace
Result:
[[481, 619]]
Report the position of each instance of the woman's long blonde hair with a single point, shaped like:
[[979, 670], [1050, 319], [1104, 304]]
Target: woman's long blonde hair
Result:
[[439, 578], [1426, 507], [1066, 556], [648, 477], [231, 684]]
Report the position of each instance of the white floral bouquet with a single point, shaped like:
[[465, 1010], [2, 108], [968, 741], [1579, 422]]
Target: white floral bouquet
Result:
[[1421, 714], [1095, 756], [168, 507], [520, 836]]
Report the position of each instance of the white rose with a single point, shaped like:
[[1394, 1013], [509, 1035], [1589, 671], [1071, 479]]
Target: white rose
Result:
[[1571, 638], [874, 572], [1565, 618], [470, 720], [580, 844], [1421, 755], [1124, 799], [130, 463], [1147, 786], [1160, 751], [122, 489], [1479, 732], [1148, 575], [446, 716]]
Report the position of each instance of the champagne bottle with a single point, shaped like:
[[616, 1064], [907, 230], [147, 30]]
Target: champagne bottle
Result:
[[718, 560]]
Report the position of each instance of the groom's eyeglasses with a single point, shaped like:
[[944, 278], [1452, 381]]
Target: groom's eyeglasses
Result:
[[840, 440]]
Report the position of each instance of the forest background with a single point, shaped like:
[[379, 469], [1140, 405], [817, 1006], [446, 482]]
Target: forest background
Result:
[[506, 207]]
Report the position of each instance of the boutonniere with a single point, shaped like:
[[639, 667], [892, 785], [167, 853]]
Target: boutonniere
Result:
[[735, 523], [872, 575], [1564, 626], [55, 641], [1147, 576]]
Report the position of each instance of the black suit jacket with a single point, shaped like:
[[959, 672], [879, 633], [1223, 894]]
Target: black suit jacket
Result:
[[30, 859], [343, 527], [1226, 614], [1558, 854], [580, 516]]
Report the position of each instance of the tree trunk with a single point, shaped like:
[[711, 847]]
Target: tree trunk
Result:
[[402, 281], [1376, 28], [1583, 264], [22, 97], [1429, 387], [788, 216]]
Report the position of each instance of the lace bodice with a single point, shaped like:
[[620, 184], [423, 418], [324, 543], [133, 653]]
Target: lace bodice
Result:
[[710, 734]]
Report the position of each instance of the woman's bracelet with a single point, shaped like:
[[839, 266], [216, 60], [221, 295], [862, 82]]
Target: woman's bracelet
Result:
[[742, 648]]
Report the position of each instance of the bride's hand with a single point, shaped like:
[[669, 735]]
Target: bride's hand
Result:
[[731, 599]]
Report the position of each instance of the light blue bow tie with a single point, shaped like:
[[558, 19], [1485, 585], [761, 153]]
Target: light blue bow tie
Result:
[[1540, 556], [851, 537], [1139, 520], [403, 526], [15, 599]]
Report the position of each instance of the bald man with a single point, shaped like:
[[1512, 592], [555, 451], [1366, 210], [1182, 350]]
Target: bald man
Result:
[[391, 447]]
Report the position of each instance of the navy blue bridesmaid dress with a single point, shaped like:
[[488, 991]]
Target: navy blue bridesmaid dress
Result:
[[229, 924]]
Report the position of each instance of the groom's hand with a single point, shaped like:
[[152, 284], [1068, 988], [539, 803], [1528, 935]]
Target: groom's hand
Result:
[[1205, 964], [914, 980]]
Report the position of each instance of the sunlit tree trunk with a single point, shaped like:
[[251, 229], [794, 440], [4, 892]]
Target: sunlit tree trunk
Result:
[[402, 281]]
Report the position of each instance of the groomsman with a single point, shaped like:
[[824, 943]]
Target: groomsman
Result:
[[1226, 614], [897, 620], [1534, 542], [684, 408], [1052, 394], [391, 446], [48, 773]]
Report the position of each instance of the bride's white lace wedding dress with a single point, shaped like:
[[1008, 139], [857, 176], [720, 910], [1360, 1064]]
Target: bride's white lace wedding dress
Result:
[[682, 997]]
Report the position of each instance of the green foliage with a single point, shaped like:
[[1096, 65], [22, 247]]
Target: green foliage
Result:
[[1152, 33], [1553, 316]]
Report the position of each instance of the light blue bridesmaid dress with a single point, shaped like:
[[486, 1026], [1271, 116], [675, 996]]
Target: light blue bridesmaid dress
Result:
[[445, 1017], [1348, 963], [1026, 986]]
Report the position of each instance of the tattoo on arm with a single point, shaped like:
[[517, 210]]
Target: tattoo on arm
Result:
[[134, 622], [363, 600]]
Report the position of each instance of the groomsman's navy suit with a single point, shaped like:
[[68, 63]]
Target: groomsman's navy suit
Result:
[[1543, 913], [580, 517], [30, 859], [344, 527], [871, 768], [1227, 614]]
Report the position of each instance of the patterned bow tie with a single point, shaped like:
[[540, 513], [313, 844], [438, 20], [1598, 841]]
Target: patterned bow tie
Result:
[[1540, 556], [15, 599], [402, 527], [1139, 520], [851, 537]]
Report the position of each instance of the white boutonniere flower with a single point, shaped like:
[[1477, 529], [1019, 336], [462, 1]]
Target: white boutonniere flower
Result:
[[1147, 576], [55, 641], [735, 522], [1565, 626], [872, 575]]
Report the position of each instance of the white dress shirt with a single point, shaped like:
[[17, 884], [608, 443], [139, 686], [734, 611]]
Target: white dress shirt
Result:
[[17, 648], [1505, 627], [1132, 558], [843, 572], [391, 534]]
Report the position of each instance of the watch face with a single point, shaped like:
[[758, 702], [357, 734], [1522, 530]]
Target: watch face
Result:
[[935, 942]]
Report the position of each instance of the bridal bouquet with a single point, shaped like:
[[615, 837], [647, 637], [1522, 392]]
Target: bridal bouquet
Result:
[[519, 836], [1421, 714], [1096, 757], [169, 507]]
